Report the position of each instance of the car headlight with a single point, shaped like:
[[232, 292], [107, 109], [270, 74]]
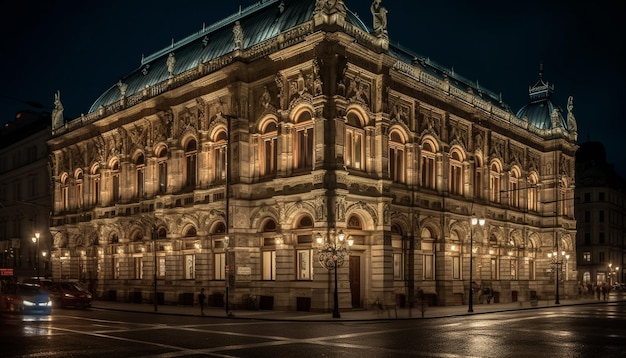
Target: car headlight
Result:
[[28, 303], [69, 295], [49, 303]]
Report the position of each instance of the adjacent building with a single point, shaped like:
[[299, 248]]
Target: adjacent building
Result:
[[25, 195], [600, 214], [227, 160]]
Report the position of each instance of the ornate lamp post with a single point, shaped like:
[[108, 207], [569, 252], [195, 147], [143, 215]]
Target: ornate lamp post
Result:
[[36, 241], [474, 221], [612, 274], [332, 254], [556, 262]]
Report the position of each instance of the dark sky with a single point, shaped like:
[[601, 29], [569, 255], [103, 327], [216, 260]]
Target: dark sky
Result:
[[82, 48]]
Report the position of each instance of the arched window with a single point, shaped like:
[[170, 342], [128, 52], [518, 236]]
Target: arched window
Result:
[[115, 181], [79, 188], [532, 192], [95, 184], [428, 165], [428, 252], [456, 173], [268, 156], [162, 165], [397, 160], [478, 177], [220, 155], [303, 141], [355, 141], [140, 168], [494, 183], [191, 158], [514, 190], [65, 197]]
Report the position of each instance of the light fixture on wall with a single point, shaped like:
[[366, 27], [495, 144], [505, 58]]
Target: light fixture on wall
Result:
[[473, 221]]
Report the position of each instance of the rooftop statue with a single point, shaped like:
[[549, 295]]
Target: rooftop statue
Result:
[[57, 112]]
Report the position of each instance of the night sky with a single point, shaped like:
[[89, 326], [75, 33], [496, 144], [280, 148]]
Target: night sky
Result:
[[82, 48]]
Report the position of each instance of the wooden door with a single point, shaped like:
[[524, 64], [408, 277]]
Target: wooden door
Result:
[[355, 280]]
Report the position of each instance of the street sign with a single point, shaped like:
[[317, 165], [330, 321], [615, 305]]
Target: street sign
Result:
[[6, 272]]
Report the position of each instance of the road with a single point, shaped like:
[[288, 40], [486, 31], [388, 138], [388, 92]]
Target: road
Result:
[[567, 331]]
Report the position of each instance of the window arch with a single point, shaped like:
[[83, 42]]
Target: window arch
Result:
[[115, 180], [303, 141], [162, 166], [478, 177], [191, 160], [268, 153], [78, 177], [355, 142], [514, 189], [456, 172], [397, 157], [533, 191], [428, 165], [140, 170], [95, 184], [220, 155], [495, 182], [65, 200]]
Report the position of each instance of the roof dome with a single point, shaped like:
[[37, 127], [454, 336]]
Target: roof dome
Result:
[[260, 22], [541, 112]]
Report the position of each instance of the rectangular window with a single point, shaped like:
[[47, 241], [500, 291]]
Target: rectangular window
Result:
[[305, 265], [161, 266], [138, 265], [269, 265], [397, 267], [601, 216], [429, 267], [601, 196], [531, 269], [220, 266], [116, 268], [494, 269], [190, 266], [456, 268], [601, 238], [587, 256], [513, 269]]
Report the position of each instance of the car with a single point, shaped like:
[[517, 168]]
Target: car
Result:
[[23, 298], [618, 287], [69, 294]]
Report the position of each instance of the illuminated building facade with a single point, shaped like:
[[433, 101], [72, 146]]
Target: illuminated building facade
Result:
[[292, 120]]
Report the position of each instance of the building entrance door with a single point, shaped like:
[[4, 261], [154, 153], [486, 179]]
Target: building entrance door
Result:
[[355, 280]]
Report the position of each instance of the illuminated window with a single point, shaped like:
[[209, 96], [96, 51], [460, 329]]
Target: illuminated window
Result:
[[162, 165], [65, 195], [303, 141], [220, 156], [494, 183], [269, 265], [115, 180], [397, 160], [456, 173], [268, 149], [220, 265], [532, 192], [355, 139], [428, 166], [191, 158], [79, 189], [140, 168], [95, 185], [138, 267], [190, 266], [513, 191]]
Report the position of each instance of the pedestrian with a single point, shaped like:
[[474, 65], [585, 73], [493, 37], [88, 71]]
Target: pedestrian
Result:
[[604, 292], [201, 298], [598, 292]]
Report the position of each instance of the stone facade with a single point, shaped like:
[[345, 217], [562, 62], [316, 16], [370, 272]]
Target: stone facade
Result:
[[311, 133]]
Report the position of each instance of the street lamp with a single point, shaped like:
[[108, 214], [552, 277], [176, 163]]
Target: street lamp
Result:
[[45, 262], [612, 274], [36, 241], [556, 262], [332, 254], [475, 221]]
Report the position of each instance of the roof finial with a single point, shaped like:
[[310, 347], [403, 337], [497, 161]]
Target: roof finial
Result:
[[541, 70]]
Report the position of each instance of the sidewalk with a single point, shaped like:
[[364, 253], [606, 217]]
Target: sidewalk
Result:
[[347, 315]]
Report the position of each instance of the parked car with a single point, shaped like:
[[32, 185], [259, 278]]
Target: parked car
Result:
[[618, 287], [25, 299], [69, 294]]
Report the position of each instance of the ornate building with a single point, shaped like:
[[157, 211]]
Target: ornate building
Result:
[[226, 159]]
